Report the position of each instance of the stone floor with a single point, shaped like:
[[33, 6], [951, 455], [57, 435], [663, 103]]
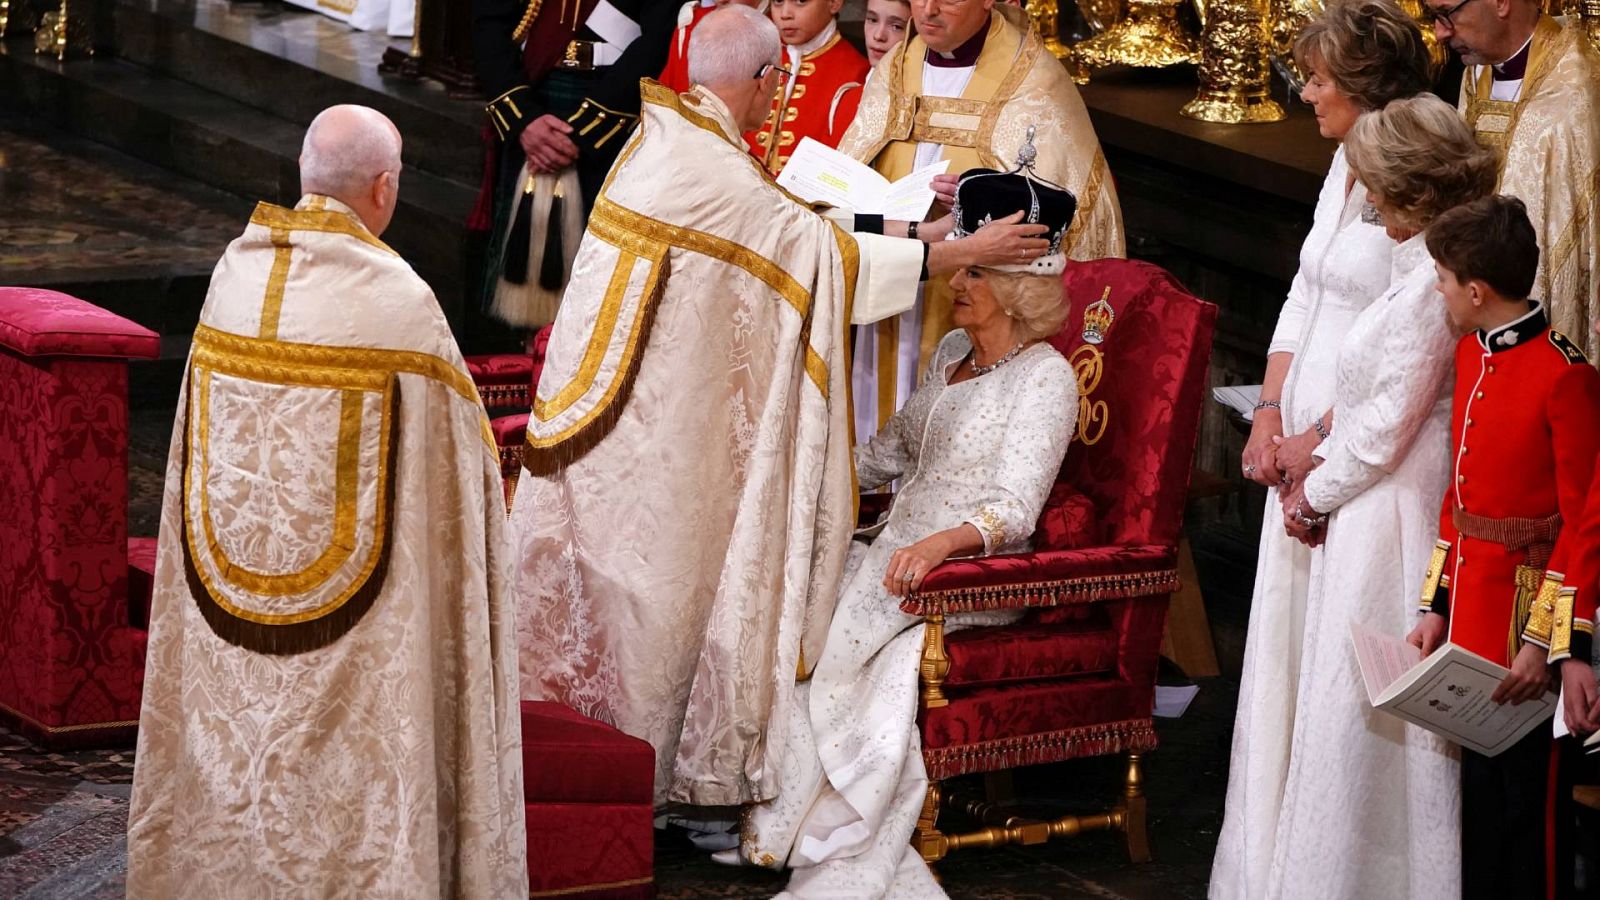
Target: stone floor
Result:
[[73, 211]]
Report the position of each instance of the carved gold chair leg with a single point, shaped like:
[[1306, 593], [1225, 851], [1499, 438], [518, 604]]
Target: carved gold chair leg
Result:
[[927, 838], [1133, 811], [935, 664]]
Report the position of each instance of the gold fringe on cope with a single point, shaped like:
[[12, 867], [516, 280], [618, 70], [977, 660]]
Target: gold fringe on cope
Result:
[[548, 460]]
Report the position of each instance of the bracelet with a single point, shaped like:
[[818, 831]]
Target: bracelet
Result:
[[911, 229], [1302, 514], [1316, 425], [1269, 404]]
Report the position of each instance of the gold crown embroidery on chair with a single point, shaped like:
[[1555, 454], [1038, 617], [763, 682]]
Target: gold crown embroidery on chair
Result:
[[1098, 317], [1088, 364]]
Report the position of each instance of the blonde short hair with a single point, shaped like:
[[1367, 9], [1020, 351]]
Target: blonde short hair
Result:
[[1371, 49], [1420, 157], [1037, 303]]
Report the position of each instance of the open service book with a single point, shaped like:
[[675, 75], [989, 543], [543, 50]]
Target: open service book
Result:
[[1447, 693], [818, 173]]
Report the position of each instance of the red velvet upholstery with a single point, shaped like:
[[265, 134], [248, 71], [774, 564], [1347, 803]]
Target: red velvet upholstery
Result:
[[141, 580], [589, 816], [1076, 676], [1068, 521], [503, 379], [507, 380], [37, 322], [72, 668], [508, 435]]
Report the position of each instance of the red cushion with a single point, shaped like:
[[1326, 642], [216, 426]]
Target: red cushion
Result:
[[594, 851], [1067, 522], [141, 580], [37, 322], [570, 758], [509, 430], [500, 368], [1032, 650]]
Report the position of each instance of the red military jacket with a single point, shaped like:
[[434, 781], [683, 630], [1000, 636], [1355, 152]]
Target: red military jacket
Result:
[[675, 74], [822, 103], [1526, 430]]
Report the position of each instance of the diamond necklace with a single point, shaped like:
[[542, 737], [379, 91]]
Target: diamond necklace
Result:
[[984, 370]]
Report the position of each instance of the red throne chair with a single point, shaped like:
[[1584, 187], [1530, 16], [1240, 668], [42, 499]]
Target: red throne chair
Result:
[[72, 668], [506, 383], [1075, 677], [588, 792]]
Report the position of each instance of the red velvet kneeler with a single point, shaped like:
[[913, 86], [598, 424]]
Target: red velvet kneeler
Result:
[[589, 815], [72, 667]]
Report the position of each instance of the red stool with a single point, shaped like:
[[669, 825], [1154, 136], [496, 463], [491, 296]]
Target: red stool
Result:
[[588, 789], [73, 665]]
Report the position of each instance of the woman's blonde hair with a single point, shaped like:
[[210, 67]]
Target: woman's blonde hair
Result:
[[1420, 157], [1037, 303], [1371, 49]]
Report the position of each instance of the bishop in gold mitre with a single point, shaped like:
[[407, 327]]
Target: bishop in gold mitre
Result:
[[1532, 93], [967, 88]]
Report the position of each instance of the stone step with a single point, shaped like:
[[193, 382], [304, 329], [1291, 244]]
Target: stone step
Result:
[[293, 64], [221, 142]]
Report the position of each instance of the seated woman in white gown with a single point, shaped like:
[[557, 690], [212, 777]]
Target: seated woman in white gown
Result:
[[976, 449]]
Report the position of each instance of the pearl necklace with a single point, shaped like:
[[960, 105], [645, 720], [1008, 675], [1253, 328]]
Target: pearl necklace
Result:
[[984, 370]]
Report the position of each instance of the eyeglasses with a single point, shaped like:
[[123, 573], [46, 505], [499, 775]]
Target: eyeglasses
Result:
[[773, 67], [1435, 16]]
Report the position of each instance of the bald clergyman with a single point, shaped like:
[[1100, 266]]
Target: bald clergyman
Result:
[[686, 509], [330, 700]]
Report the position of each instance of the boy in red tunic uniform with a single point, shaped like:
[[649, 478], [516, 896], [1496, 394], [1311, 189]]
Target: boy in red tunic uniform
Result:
[[819, 100], [1526, 429], [675, 74]]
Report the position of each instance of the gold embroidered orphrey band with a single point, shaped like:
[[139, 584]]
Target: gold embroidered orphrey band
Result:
[[353, 371], [640, 237]]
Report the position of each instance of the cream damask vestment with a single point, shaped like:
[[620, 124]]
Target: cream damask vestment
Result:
[[686, 502], [913, 113], [1547, 132], [330, 703]]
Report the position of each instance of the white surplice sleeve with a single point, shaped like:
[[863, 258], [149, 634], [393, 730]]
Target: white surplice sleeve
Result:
[[1032, 445], [886, 286], [1413, 363]]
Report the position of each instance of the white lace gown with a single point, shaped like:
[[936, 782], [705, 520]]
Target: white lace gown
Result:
[[1344, 266], [1371, 806], [985, 452]]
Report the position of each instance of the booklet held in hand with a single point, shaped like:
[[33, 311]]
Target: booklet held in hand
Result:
[[818, 173], [1447, 693]]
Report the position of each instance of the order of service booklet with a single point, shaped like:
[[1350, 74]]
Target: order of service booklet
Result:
[[1447, 693], [818, 173]]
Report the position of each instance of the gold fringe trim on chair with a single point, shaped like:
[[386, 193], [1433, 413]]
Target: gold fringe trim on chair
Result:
[[1136, 735], [1085, 589]]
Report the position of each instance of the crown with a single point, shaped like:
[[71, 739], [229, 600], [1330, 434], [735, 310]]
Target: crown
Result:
[[1097, 318]]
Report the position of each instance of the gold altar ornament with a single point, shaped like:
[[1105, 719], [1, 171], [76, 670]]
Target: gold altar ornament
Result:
[[1589, 18], [1149, 36], [1235, 71]]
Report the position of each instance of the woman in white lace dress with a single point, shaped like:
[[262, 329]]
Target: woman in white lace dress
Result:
[[1361, 55], [976, 449], [1372, 805]]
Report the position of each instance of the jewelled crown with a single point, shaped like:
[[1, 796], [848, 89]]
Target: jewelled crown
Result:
[[985, 195], [1097, 319]]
